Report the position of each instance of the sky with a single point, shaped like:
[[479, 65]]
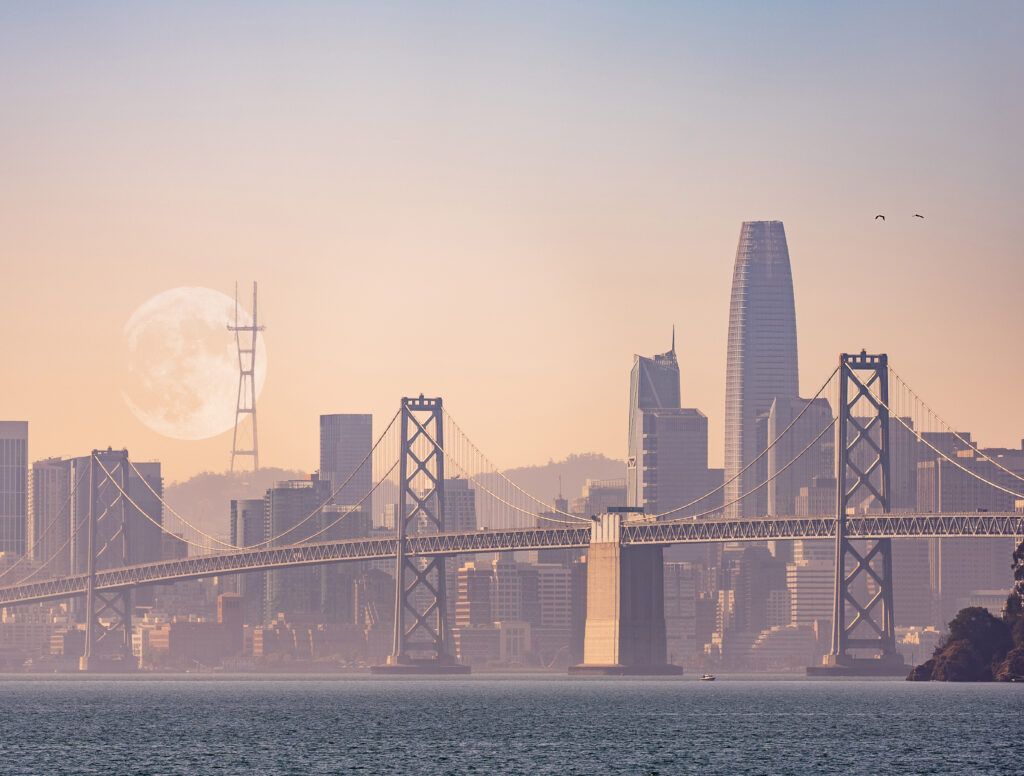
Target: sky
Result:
[[500, 203]]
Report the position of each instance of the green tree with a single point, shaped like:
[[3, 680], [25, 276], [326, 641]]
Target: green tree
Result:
[[988, 636], [1014, 615]]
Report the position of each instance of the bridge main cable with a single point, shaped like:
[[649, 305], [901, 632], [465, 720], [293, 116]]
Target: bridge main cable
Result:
[[763, 453]]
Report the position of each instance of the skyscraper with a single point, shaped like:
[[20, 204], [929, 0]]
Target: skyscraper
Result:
[[762, 355], [653, 384], [13, 485], [345, 440], [790, 471]]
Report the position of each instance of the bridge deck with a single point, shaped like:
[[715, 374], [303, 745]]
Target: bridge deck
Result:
[[638, 532]]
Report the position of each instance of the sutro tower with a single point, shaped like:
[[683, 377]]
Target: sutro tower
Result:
[[245, 339]]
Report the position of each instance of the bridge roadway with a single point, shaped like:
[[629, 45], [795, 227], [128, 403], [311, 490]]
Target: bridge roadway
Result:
[[634, 532]]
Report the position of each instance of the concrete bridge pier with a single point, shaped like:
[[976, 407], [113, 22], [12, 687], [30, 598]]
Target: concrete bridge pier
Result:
[[625, 628]]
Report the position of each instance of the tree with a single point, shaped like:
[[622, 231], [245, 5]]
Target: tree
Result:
[[989, 636], [1014, 615]]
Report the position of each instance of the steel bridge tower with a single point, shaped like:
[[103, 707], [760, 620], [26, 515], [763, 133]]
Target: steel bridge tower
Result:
[[862, 617], [108, 637], [421, 642], [245, 340]]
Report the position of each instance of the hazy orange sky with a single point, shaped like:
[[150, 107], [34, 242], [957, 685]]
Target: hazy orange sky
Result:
[[501, 203]]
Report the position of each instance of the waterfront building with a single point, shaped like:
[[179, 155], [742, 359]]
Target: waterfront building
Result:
[[681, 612], [959, 568]]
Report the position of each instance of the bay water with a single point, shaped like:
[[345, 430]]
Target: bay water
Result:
[[506, 725]]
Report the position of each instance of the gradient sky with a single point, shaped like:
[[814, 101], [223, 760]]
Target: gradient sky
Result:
[[501, 203]]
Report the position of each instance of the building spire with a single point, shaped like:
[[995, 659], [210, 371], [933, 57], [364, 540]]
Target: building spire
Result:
[[673, 350]]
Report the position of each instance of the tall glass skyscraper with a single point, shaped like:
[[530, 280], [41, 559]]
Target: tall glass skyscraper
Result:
[[345, 440], [13, 485], [762, 356], [653, 384]]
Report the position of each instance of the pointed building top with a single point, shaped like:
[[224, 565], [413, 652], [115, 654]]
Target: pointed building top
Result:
[[673, 339]]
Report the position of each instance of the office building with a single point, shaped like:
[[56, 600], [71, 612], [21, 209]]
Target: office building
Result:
[[597, 495], [248, 528], [653, 384], [762, 349], [13, 486], [788, 471], [345, 444], [292, 510]]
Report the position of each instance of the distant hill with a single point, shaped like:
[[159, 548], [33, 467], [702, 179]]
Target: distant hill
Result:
[[205, 499], [543, 481]]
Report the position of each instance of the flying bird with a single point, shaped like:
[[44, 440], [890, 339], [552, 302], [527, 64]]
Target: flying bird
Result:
[[918, 215], [879, 216]]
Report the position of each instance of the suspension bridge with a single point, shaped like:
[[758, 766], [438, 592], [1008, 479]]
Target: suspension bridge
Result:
[[625, 629]]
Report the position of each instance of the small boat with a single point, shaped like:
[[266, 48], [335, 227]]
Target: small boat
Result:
[[708, 678]]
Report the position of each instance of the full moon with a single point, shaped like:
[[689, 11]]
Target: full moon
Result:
[[183, 362]]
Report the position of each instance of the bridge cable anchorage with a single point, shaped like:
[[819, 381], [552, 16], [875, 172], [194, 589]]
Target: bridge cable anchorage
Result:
[[756, 488], [31, 551], [576, 521], [740, 473], [950, 428], [551, 508]]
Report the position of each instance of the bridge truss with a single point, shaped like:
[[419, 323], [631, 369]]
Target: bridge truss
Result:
[[639, 532]]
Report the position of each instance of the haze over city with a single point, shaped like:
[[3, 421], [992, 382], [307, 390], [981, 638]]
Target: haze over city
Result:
[[626, 374], [501, 205]]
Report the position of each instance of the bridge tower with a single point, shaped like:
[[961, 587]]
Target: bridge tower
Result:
[[108, 637], [422, 642], [862, 617]]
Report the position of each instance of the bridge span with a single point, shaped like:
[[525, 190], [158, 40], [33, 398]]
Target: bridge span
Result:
[[632, 533]]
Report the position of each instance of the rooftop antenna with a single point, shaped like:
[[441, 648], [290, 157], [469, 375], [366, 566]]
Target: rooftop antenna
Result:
[[245, 340]]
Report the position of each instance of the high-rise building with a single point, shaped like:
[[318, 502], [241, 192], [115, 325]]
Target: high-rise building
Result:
[[473, 600], [959, 567], [681, 612], [597, 495], [810, 579], [459, 505], [762, 352], [653, 384], [292, 510], [788, 471], [61, 502], [49, 529], [13, 486], [672, 464], [248, 527], [345, 441]]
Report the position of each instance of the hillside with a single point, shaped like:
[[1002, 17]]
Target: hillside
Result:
[[205, 500]]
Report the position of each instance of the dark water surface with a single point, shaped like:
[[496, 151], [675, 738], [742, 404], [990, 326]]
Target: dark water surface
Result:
[[520, 725]]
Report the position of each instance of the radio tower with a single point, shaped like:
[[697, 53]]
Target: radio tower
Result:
[[245, 339]]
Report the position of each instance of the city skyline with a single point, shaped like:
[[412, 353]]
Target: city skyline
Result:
[[605, 174]]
